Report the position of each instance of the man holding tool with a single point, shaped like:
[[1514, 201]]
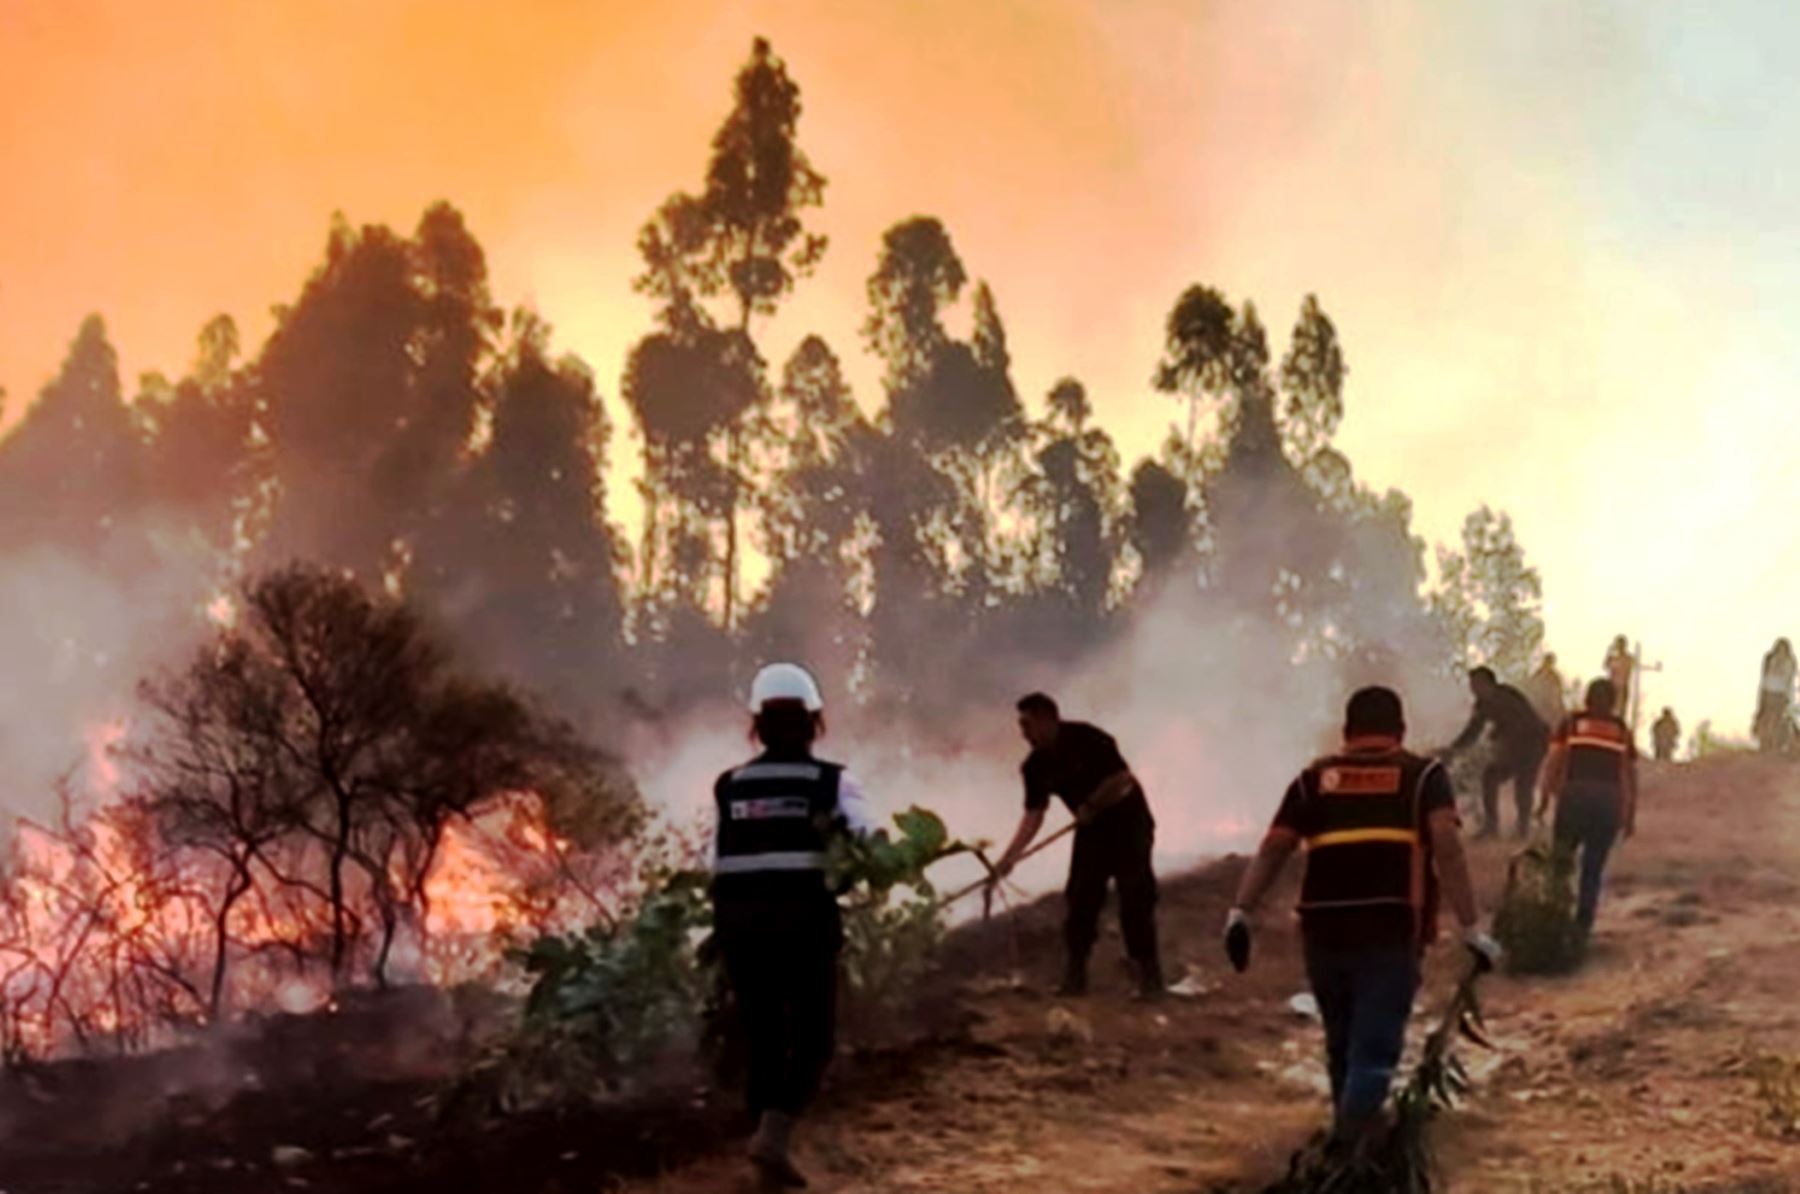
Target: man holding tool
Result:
[[1114, 836], [1381, 834]]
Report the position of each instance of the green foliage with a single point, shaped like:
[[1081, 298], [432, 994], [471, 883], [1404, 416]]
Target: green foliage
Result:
[[1536, 919], [626, 990], [1489, 599], [893, 921], [608, 1002], [603, 1004]]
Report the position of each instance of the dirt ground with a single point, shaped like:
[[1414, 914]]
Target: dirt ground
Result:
[[1661, 1067], [1639, 1075]]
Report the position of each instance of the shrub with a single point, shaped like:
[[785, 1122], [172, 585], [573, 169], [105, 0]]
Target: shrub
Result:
[[1536, 920], [606, 1002]]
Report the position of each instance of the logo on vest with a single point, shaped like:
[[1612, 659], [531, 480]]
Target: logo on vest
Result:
[[770, 808], [1360, 781]]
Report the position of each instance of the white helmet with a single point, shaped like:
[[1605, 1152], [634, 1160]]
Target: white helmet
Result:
[[785, 682]]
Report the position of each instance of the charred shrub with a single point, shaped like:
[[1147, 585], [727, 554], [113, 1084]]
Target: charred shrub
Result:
[[1536, 920]]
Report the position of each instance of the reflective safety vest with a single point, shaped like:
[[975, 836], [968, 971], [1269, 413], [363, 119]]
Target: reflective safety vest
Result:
[[1600, 749], [775, 820], [1366, 845]]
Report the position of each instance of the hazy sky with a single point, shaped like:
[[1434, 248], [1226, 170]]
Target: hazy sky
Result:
[[1558, 239]]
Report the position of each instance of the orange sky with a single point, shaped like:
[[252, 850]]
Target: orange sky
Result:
[[1554, 241]]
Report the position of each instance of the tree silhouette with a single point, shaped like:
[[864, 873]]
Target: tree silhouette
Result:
[[71, 473], [1312, 383], [1075, 501], [370, 387], [744, 238], [530, 575], [200, 461], [1199, 345], [1489, 598]]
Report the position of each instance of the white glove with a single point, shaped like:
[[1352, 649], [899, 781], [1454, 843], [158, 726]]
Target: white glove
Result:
[[1487, 951]]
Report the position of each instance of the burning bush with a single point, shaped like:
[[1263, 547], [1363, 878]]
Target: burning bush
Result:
[[298, 809]]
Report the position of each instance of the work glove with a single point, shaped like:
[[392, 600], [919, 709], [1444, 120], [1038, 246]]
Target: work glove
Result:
[[1483, 948], [1237, 939]]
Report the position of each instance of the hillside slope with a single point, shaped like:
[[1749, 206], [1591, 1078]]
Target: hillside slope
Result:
[[1640, 1073]]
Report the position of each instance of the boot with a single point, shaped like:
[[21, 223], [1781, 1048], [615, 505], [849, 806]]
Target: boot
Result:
[[1075, 982], [1150, 986], [769, 1152]]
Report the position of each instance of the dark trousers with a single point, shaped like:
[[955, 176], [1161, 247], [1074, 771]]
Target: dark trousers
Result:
[[1116, 847], [1521, 770], [781, 957], [1365, 997], [1587, 819]]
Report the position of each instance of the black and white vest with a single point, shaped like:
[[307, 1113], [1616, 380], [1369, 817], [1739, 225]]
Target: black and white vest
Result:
[[775, 822]]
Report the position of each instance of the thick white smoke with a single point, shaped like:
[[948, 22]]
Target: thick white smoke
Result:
[[1213, 717], [85, 631]]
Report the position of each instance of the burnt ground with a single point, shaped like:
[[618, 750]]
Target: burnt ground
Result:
[[1662, 1067]]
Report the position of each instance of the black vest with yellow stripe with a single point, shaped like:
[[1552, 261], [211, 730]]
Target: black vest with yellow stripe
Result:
[[1600, 750], [776, 817], [1366, 841]]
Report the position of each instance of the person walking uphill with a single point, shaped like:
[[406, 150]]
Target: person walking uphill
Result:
[[1665, 735], [1592, 779], [1381, 834], [1520, 741], [1114, 838], [777, 924]]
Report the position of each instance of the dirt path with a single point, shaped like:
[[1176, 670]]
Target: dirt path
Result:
[[1638, 1075]]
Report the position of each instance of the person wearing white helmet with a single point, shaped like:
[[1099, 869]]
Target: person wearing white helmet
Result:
[[777, 923]]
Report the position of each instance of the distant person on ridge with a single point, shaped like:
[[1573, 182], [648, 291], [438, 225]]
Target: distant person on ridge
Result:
[[1521, 739], [1775, 699], [1619, 667], [1381, 835], [1082, 765], [777, 924], [1665, 735], [1591, 777]]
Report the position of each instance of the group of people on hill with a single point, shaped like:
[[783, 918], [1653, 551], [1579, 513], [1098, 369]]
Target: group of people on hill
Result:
[[1548, 694], [1378, 823]]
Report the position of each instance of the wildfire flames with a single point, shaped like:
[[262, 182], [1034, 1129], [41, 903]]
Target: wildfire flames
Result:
[[110, 935]]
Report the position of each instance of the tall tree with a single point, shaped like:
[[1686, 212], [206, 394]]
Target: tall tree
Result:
[[956, 428], [200, 462], [71, 472], [1161, 525], [1198, 348], [816, 445], [531, 564], [742, 239], [1312, 383], [1074, 501], [369, 384], [1489, 598]]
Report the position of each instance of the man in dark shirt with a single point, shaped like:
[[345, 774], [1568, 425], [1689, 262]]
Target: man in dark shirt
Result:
[[1380, 831], [1521, 740], [1113, 840]]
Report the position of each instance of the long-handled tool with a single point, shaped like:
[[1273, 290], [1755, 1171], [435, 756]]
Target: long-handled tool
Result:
[[993, 877]]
